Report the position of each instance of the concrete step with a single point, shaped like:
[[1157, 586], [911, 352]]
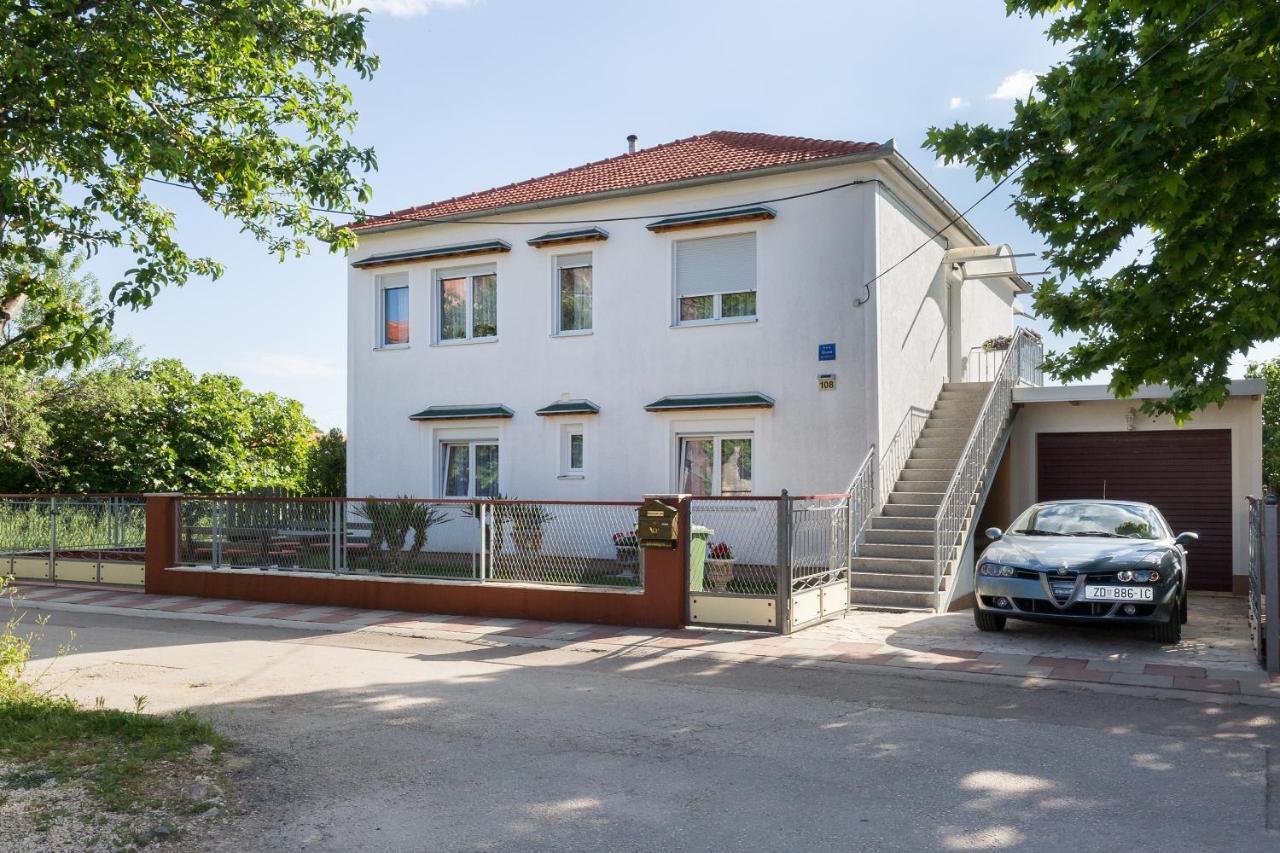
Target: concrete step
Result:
[[870, 580], [876, 536], [925, 474], [909, 511], [914, 524], [895, 551], [970, 387], [951, 453], [951, 439], [893, 599], [913, 497], [893, 565], [921, 484]]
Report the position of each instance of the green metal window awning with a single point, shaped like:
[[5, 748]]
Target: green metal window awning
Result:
[[460, 250], [744, 400], [712, 217], [578, 235], [459, 413], [570, 407]]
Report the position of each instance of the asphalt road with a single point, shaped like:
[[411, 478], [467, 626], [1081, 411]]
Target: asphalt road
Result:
[[363, 742]]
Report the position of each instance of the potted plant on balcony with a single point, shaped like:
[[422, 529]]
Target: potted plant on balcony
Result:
[[719, 565]]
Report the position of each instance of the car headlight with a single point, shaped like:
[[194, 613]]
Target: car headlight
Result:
[[1139, 576], [995, 570]]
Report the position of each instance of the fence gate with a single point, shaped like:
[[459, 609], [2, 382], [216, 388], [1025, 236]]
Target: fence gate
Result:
[[819, 565], [768, 563], [88, 539]]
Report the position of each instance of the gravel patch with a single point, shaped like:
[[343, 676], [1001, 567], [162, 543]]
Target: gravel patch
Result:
[[40, 814]]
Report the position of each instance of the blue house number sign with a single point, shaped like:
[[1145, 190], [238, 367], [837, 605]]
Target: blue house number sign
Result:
[[826, 352]]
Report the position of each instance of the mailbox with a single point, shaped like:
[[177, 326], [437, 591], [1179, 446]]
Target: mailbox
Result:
[[659, 525]]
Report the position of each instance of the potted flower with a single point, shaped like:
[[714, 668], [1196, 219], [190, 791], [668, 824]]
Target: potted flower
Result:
[[719, 565], [627, 547], [526, 526]]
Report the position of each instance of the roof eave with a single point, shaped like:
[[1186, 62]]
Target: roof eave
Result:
[[885, 150]]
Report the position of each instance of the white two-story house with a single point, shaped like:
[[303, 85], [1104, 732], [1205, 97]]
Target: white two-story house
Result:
[[732, 313]]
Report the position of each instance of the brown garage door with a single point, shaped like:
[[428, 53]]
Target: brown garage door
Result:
[[1186, 474]]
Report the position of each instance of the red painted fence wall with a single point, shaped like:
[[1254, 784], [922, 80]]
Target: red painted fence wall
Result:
[[661, 603]]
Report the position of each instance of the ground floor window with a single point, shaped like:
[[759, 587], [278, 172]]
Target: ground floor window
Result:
[[715, 464], [470, 469], [572, 451]]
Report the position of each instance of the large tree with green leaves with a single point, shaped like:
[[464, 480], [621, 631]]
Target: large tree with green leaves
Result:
[[1147, 162], [102, 100]]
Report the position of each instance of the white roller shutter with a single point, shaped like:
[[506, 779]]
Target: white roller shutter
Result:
[[716, 265]]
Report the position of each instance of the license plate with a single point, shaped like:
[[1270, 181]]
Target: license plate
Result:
[[1119, 593]]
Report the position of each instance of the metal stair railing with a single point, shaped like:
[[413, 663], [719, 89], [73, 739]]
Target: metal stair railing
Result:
[[974, 468]]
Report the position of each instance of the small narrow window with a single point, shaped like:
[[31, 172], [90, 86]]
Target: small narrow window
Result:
[[573, 293], [715, 465], [393, 310], [572, 451], [715, 279], [467, 306]]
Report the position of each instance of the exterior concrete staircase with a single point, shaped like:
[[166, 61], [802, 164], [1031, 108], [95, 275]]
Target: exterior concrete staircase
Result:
[[894, 566]]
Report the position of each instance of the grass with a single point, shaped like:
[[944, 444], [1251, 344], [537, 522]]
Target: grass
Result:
[[113, 753], [116, 755]]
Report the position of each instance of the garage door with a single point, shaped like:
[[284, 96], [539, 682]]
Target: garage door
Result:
[[1186, 474]]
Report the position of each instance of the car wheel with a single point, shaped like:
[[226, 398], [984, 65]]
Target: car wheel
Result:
[[1182, 608], [1170, 630], [988, 621]]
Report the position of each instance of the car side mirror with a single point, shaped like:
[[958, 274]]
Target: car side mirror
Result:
[[994, 533], [1184, 538]]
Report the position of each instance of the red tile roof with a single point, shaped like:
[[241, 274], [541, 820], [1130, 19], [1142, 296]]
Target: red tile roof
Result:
[[720, 152]]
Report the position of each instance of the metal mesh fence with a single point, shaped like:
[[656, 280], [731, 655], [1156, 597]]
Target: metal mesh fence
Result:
[[589, 544], [71, 538], [742, 545]]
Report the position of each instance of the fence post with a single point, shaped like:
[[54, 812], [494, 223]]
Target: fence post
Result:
[[53, 537], [482, 520], [161, 548], [1271, 585], [782, 603]]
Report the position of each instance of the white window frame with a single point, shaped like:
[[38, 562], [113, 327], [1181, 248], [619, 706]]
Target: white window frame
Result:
[[442, 466], [567, 471], [717, 437], [716, 318], [437, 299], [556, 331], [380, 308]]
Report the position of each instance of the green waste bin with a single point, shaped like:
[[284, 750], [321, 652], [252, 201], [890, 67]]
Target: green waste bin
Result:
[[699, 536]]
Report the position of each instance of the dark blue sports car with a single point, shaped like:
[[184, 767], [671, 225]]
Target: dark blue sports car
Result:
[[1085, 561]]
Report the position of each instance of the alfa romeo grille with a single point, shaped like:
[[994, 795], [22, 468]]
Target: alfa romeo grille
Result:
[[1062, 589]]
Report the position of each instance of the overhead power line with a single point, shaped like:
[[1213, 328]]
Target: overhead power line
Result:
[[1018, 167]]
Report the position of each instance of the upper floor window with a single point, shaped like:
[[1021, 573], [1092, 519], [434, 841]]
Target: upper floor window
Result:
[[468, 304], [393, 309], [573, 293], [715, 279], [715, 464]]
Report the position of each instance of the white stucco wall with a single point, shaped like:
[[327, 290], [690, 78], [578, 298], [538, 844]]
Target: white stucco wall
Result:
[[810, 260], [1242, 414]]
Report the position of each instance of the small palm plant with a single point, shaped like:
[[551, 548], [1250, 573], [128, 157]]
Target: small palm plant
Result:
[[392, 522]]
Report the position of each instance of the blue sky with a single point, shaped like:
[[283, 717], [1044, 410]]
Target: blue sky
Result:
[[476, 94]]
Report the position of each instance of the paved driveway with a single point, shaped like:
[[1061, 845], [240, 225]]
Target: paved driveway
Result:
[[366, 741]]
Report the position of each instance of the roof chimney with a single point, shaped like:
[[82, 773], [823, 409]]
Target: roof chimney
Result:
[[631, 143]]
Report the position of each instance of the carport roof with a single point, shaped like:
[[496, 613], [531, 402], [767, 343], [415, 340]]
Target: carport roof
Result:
[[1085, 393]]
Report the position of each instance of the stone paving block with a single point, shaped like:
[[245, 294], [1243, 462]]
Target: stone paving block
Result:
[[964, 654], [1005, 659], [968, 666], [1210, 685], [1059, 663], [1137, 679], [1022, 670], [1130, 666], [1079, 673], [1175, 670]]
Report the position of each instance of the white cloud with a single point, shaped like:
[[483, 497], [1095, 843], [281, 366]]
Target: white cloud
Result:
[[1017, 85], [279, 365], [957, 103], [407, 8]]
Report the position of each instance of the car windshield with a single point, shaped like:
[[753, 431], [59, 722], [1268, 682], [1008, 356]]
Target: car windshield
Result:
[[1128, 521]]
